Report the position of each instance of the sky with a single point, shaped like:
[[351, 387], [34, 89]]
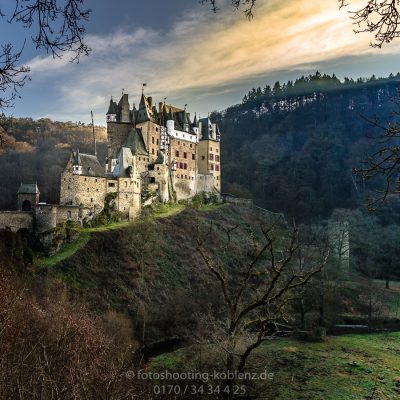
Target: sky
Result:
[[188, 54]]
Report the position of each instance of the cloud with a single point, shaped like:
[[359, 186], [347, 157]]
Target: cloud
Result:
[[202, 54]]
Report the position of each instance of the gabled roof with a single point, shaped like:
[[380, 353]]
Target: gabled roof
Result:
[[135, 142], [90, 165], [145, 112], [28, 188]]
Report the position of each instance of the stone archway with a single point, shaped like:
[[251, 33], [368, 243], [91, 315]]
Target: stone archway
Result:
[[26, 205]]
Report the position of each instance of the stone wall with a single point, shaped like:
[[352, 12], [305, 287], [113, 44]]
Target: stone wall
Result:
[[128, 199], [16, 220], [205, 183], [45, 217], [68, 213], [85, 191]]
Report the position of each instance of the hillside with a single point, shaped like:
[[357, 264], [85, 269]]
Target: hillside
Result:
[[37, 151], [152, 271], [145, 284], [293, 147]]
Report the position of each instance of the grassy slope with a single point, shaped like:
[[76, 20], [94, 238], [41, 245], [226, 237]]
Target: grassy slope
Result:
[[340, 368], [85, 235], [150, 268]]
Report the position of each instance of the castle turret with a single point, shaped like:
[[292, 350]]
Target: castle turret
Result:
[[170, 122], [112, 112]]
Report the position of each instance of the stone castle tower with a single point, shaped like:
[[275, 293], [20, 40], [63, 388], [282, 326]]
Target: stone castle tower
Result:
[[152, 152]]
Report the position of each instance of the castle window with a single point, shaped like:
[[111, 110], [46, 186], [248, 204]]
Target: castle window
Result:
[[182, 176], [152, 180], [69, 214], [193, 156], [152, 151], [157, 142], [88, 189], [216, 158], [211, 167], [203, 157], [69, 187], [217, 167], [126, 196], [95, 180], [211, 157], [85, 179], [177, 152], [111, 184], [184, 166], [185, 176], [152, 140], [191, 145], [210, 148], [216, 150], [184, 154], [126, 184], [139, 159], [91, 200], [179, 142], [156, 129]]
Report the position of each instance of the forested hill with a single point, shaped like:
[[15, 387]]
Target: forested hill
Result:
[[292, 147], [37, 151]]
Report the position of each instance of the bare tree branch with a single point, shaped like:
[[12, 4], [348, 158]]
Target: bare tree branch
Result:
[[246, 5], [12, 75], [380, 17], [57, 26]]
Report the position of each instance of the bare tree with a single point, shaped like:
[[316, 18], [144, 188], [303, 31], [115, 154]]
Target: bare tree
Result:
[[383, 163], [56, 26], [256, 296], [246, 5], [379, 17]]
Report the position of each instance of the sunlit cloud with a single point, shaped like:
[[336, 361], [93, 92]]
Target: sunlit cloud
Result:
[[202, 53]]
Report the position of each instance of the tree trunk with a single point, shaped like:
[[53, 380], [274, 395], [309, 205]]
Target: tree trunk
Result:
[[387, 283], [229, 383]]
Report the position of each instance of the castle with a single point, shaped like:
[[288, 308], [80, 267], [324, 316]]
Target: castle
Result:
[[152, 153]]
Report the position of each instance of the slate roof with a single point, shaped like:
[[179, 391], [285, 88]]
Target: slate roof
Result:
[[207, 132], [28, 188], [91, 166], [135, 142], [112, 109]]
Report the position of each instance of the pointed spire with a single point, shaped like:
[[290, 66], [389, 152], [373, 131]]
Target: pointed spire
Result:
[[195, 120]]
